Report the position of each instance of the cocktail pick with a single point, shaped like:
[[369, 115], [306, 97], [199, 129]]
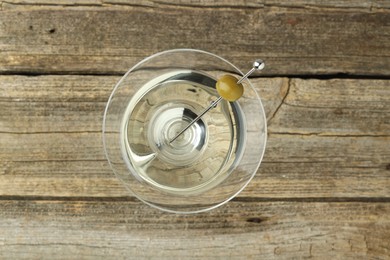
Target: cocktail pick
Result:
[[229, 89]]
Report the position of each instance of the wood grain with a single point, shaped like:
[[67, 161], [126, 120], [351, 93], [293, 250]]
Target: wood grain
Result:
[[313, 150], [109, 38], [323, 188], [344, 4], [335, 107], [293, 167], [127, 229], [76, 104]]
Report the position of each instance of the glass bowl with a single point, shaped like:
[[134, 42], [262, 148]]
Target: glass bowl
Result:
[[212, 161]]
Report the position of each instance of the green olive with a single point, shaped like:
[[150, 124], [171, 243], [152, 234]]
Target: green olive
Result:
[[228, 88]]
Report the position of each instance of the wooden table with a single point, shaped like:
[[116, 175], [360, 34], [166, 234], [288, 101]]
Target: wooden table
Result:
[[323, 188]]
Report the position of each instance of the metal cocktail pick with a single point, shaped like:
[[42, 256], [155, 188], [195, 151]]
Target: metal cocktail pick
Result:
[[257, 65]]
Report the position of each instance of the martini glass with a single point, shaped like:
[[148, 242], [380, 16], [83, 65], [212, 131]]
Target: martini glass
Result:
[[211, 161]]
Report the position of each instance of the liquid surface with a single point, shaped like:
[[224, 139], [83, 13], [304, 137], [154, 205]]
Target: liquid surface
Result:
[[203, 155]]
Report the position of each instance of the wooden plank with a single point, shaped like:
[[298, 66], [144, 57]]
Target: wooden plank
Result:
[[335, 107], [362, 177], [345, 4], [122, 229], [312, 166], [46, 150], [111, 38], [293, 167], [76, 104], [53, 103], [323, 107]]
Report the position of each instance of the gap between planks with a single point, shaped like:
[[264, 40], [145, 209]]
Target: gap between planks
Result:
[[323, 76], [236, 199]]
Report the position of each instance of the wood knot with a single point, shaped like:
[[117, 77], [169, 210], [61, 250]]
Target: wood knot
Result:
[[257, 220], [293, 21], [388, 167], [338, 111]]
